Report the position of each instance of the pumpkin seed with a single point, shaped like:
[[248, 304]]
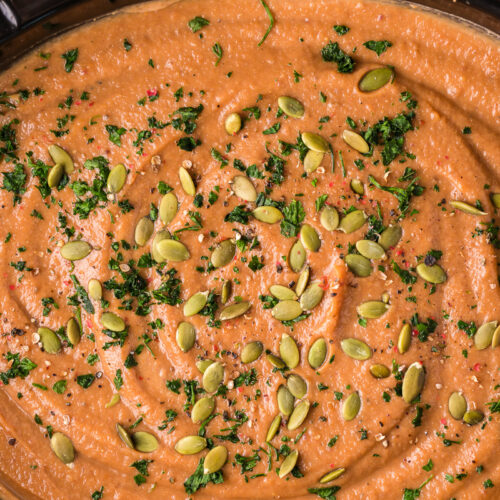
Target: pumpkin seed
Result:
[[172, 250], [232, 124], [484, 335], [226, 291], [375, 79], [330, 476], [95, 289], [187, 182], [115, 399], [168, 208], [213, 377], [50, 341], [203, 364], [62, 447], [315, 142], [457, 405], [380, 371], [372, 309], [190, 445], [275, 361], [310, 238], [223, 253], [58, 155], [329, 218], [355, 141], [466, 208], [144, 442], [358, 187], [273, 428], [202, 409], [215, 459], [352, 221], [251, 352], [432, 274], [495, 199], [55, 175], [243, 188], [288, 463], [75, 250], [413, 382], [473, 417], [291, 106], [404, 339], [311, 297], [195, 303], [116, 178], [495, 341], [370, 249], [124, 436], [297, 256], [285, 400], [112, 321], [356, 349], [359, 265], [351, 406], [312, 160], [298, 415], [143, 231], [302, 281], [390, 237], [73, 331], [296, 385], [159, 236], [289, 351], [185, 336], [286, 310], [282, 292], [267, 214], [234, 310], [317, 353]]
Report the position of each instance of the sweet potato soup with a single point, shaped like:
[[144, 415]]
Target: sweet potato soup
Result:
[[250, 250]]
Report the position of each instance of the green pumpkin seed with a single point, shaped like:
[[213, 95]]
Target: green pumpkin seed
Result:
[[185, 336], [291, 106], [115, 399], [315, 142], [202, 409], [75, 250], [275, 361], [95, 289], [302, 281], [187, 182], [116, 178], [286, 310], [296, 385], [232, 124], [55, 175], [143, 231], [352, 221], [173, 250], [112, 321], [390, 237], [203, 364], [195, 303], [432, 274], [73, 331], [351, 406], [370, 249], [144, 442], [356, 349], [380, 371], [330, 476], [226, 291], [282, 292], [372, 309], [298, 415], [168, 208], [404, 338], [376, 79], [251, 352], [223, 253], [62, 447], [285, 400], [317, 353], [58, 155], [243, 188], [267, 214], [124, 436], [234, 310], [159, 236], [355, 141], [273, 428], [288, 463], [358, 187], [495, 341], [413, 382], [309, 238], [473, 417], [289, 351], [360, 266], [457, 405], [466, 208], [484, 335], [495, 199], [50, 341], [311, 297], [213, 377], [190, 445], [297, 256], [215, 459], [329, 218], [312, 160]]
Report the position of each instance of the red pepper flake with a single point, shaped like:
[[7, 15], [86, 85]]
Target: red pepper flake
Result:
[[395, 348], [216, 348], [152, 92], [332, 466], [400, 252], [414, 332], [77, 103], [12, 287], [330, 184], [91, 104], [443, 421], [477, 367], [240, 389], [324, 282]]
